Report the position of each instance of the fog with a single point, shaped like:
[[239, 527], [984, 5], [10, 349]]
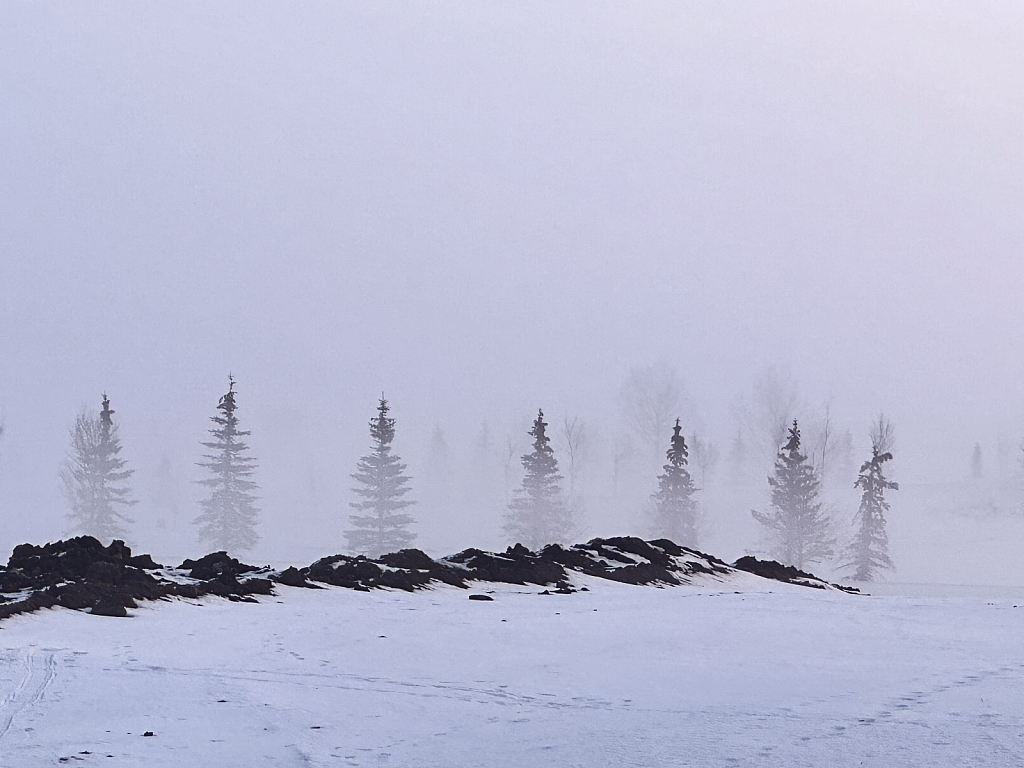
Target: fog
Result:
[[482, 209]]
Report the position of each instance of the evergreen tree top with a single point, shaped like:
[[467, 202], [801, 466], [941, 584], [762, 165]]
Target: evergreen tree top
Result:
[[541, 440], [227, 432], [677, 453], [106, 413], [541, 465], [382, 428], [227, 400], [794, 481], [871, 472], [792, 446]]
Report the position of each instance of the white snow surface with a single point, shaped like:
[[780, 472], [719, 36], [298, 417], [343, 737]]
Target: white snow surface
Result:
[[741, 672]]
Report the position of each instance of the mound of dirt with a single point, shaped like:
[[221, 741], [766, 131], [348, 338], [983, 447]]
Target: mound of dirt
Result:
[[82, 574], [772, 569], [408, 569], [626, 559]]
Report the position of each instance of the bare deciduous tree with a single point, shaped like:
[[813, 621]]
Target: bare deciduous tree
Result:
[[765, 415], [651, 398], [575, 439], [507, 456], [883, 434], [622, 452], [704, 457], [824, 439]]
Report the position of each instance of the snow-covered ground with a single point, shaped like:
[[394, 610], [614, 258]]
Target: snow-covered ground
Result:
[[617, 676]]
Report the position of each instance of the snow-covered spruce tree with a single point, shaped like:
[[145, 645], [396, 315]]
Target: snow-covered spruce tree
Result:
[[675, 508], [538, 515], [95, 478], [229, 516], [799, 531], [381, 525], [869, 551]]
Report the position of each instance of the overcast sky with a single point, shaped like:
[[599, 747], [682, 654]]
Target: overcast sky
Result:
[[482, 208]]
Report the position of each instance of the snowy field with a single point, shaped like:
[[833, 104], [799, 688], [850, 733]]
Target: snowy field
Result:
[[617, 676]]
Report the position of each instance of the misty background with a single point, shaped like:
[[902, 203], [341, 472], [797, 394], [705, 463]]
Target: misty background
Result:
[[482, 209]]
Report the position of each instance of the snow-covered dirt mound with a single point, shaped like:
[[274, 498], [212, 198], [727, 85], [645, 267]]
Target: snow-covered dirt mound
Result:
[[81, 573], [625, 559]]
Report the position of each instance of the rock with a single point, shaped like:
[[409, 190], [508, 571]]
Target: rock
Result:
[[104, 572], [605, 559], [408, 581], [77, 596], [344, 571], [771, 569], [228, 585], [14, 581], [293, 577], [481, 597], [65, 560], [187, 590], [109, 606], [215, 564], [670, 547], [517, 566], [410, 559], [145, 562]]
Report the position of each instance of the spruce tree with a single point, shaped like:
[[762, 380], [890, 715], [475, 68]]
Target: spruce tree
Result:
[[538, 515], [675, 508], [229, 516], [95, 478], [869, 551], [382, 525], [799, 531]]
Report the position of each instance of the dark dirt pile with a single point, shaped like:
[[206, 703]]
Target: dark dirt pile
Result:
[[82, 574], [625, 559], [770, 569]]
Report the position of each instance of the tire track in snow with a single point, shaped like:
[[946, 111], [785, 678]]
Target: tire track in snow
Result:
[[38, 670]]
